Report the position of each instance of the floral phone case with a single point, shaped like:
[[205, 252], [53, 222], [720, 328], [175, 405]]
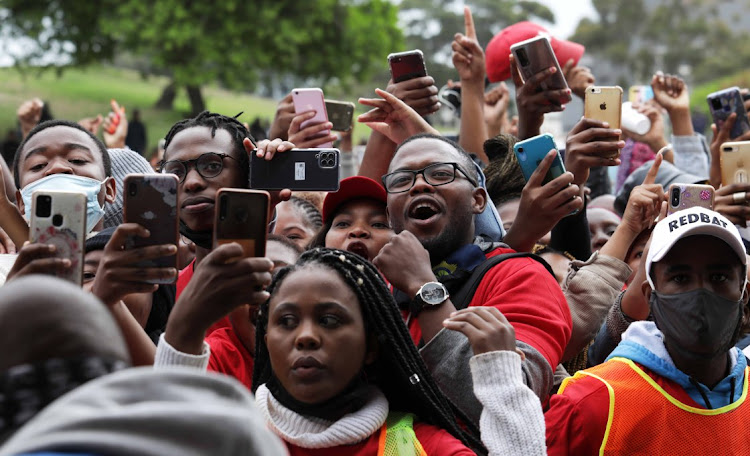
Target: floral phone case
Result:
[[683, 196], [722, 104], [59, 218]]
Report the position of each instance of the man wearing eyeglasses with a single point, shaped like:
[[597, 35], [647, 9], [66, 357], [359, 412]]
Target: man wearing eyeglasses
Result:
[[432, 199]]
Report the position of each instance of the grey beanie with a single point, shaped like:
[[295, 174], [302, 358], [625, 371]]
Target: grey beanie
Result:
[[668, 174], [124, 162]]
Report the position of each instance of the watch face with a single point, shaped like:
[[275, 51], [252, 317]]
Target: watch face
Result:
[[433, 293]]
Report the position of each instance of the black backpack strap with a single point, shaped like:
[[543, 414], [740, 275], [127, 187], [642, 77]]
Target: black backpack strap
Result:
[[463, 297]]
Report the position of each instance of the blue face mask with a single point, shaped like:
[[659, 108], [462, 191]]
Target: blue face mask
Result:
[[73, 184]]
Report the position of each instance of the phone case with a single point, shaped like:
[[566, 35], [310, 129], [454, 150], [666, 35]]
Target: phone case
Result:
[[535, 55], [242, 217], [309, 100], [150, 200], [531, 152], [725, 102], [735, 162], [407, 65], [683, 196], [297, 169], [59, 218], [340, 114]]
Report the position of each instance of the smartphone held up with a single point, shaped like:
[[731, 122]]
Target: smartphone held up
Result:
[[242, 217]]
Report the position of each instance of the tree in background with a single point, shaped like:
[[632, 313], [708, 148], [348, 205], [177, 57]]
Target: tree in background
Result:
[[431, 24], [229, 41], [675, 36]]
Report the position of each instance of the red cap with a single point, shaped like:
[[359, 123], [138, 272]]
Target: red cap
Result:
[[498, 50], [352, 188]]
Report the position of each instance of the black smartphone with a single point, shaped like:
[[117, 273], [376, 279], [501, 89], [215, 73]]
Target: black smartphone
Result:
[[340, 114], [297, 169], [407, 65], [242, 217]]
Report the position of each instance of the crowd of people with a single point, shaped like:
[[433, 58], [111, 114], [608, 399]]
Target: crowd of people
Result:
[[438, 303]]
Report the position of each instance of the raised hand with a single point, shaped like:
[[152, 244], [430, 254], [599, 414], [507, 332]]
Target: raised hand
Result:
[[420, 94], [644, 203], [115, 127], [283, 118], [393, 118], [468, 56], [496, 110], [532, 103], [588, 144], [29, 114], [655, 136], [313, 135], [720, 136], [543, 205], [670, 91], [578, 78]]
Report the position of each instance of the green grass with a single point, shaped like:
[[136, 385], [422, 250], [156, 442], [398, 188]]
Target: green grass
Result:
[[86, 92]]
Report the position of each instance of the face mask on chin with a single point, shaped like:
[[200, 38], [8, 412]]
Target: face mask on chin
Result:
[[698, 324], [68, 183]]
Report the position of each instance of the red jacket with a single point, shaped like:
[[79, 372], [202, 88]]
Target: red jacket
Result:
[[229, 356], [435, 441], [530, 298]]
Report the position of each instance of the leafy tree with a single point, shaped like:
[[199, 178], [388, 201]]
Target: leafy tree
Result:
[[675, 36], [230, 41], [431, 24]]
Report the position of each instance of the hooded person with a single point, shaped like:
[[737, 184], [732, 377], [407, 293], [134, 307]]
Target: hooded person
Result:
[[680, 374]]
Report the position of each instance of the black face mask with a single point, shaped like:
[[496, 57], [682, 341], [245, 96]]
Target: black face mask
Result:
[[698, 324], [203, 239]]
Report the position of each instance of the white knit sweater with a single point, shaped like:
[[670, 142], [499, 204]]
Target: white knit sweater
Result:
[[312, 432]]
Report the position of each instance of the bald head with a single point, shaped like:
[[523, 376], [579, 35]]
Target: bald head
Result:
[[43, 317]]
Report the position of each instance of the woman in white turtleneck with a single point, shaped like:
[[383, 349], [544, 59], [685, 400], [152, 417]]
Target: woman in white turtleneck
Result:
[[336, 371]]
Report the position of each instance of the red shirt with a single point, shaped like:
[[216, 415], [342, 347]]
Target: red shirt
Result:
[[182, 281], [435, 441], [530, 298], [229, 356]]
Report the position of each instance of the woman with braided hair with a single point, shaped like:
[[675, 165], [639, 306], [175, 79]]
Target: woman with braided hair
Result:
[[336, 371]]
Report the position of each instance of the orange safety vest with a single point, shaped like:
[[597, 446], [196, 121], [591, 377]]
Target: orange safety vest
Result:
[[397, 437], [646, 420]]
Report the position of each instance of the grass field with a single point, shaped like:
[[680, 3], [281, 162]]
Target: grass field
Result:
[[83, 93]]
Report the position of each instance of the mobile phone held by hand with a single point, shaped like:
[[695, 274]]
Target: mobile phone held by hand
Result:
[[298, 170], [242, 217], [311, 99], [150, 200], [59, 218], [407, 65], [735, 162], [535, 55], [725, 102], [340, 114], [530, 153], [116, 110], [683, 196]]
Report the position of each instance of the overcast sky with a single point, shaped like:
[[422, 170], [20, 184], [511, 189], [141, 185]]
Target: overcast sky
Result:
[[567, 14]]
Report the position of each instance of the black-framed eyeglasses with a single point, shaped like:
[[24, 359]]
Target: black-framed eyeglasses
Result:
[[435, 174], [208, 165]]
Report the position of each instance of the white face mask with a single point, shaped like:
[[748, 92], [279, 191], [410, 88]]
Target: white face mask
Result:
[[69, 183]]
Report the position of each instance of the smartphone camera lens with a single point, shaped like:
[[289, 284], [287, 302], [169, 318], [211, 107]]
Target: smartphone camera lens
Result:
[[133, 189], [716, 104], [43, 206], [675, 197], [57, 220], [523, 59]]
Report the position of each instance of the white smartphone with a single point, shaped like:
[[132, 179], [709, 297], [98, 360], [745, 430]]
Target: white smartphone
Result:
[[312, 100]]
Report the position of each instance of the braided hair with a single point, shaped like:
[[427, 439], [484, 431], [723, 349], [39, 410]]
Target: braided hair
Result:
[[399, 371], [309, 211], [216, 121]]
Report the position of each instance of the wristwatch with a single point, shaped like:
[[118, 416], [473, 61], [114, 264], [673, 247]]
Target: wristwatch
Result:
[[429, 295]]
